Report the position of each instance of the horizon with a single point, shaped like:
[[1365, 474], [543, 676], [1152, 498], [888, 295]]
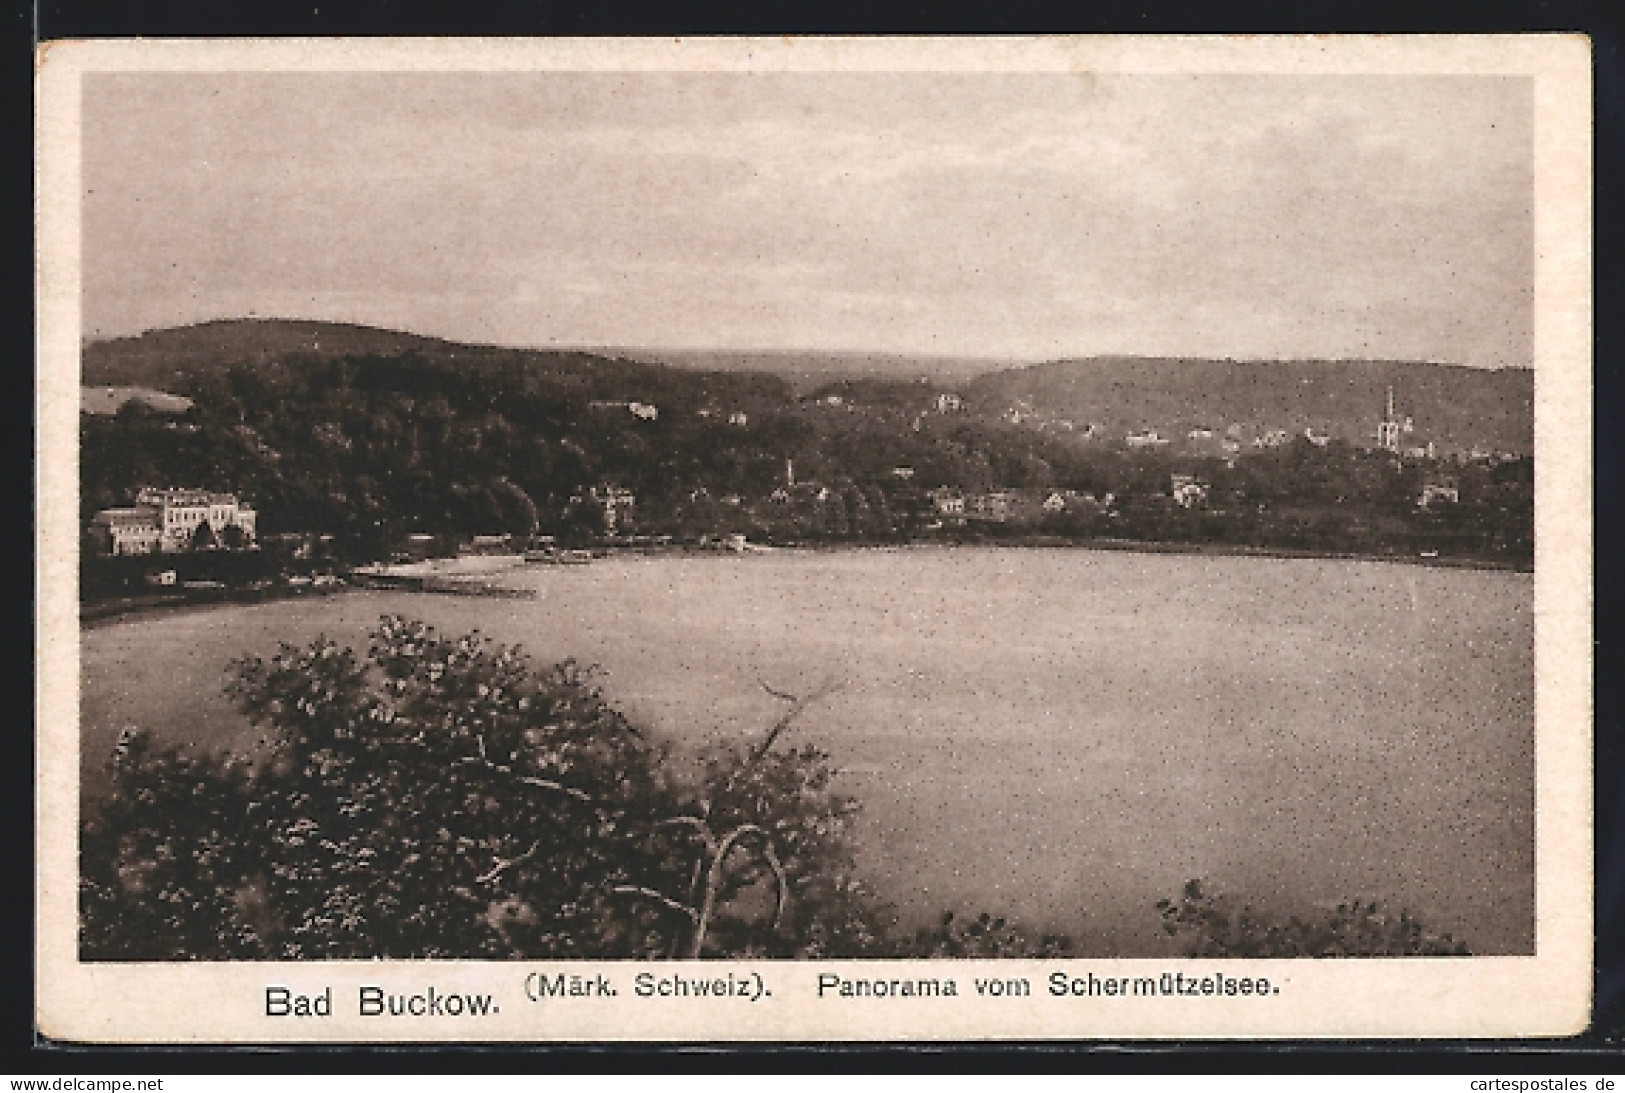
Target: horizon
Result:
[[1008, 216], [784, 351]]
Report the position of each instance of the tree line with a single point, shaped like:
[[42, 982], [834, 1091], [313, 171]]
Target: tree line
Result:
[[374, 448]]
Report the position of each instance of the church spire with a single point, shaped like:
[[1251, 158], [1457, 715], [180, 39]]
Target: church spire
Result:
[[1388, 430]]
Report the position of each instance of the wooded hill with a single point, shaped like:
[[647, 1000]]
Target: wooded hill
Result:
[[1458, 408], [808, 369], [185, 360], [168, 359]]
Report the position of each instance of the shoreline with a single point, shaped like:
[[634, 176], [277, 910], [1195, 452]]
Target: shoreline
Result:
[[100, 613], [480, 575], [1136, 546], [1237, 550]]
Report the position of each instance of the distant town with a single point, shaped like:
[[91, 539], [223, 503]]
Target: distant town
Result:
[[292, 473]]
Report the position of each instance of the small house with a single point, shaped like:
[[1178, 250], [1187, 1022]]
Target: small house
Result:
[[1442, 492]]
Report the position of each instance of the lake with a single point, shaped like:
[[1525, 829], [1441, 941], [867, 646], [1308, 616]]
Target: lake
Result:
[[1062, 736]]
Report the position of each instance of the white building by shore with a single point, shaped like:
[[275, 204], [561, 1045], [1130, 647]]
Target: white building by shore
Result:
[[166, 520]]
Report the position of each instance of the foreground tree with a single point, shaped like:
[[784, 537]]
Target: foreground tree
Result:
[[442, 798]]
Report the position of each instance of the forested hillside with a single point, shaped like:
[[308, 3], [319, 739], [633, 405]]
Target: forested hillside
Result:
[[371, 436], [1456, 407]]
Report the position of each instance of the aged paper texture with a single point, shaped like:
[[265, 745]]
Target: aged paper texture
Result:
[[1076, 537]]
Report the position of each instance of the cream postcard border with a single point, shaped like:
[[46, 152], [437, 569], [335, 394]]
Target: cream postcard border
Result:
[[1545, 995]]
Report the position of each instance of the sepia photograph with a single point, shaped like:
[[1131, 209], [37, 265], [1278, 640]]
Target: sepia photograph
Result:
[[979, 509]]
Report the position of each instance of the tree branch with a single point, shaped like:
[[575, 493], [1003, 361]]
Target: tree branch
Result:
[[713, 880], [493, 874], [659, 897], [557, 787], [797, 705], [771, 856], [782, 696], [699, 825], [540, 783]]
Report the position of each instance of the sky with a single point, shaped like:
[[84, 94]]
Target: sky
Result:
[[1004, 215]]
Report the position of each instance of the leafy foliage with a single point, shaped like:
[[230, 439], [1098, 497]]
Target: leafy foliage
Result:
[[982, 937], [168, 866], [441, 798], [1212, 925]]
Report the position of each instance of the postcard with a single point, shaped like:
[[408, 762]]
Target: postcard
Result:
[[814, 539]]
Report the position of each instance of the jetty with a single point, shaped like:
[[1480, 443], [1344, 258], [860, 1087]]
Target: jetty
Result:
[[450, 576]]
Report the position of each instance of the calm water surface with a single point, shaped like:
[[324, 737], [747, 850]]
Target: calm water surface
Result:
[[1063, 736]]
